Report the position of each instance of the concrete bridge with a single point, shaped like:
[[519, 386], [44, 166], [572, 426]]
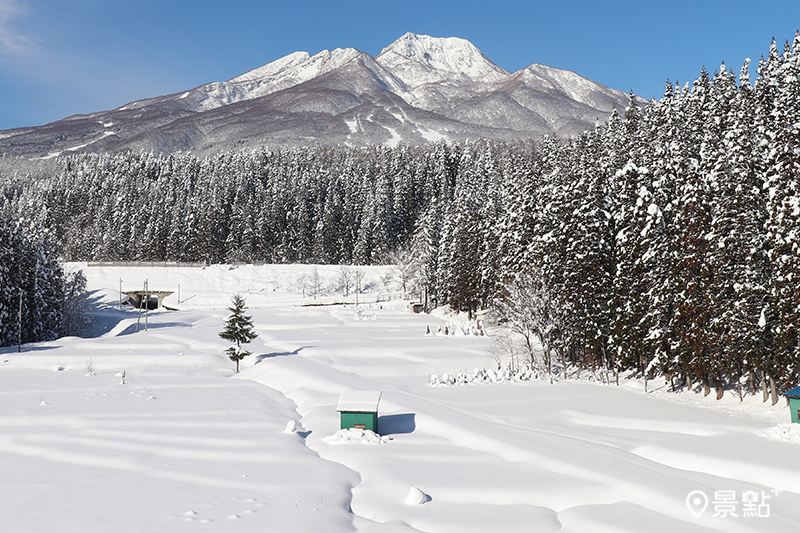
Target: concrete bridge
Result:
[[152, 299]]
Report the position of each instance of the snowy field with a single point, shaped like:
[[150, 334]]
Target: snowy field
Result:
[[152, 430]]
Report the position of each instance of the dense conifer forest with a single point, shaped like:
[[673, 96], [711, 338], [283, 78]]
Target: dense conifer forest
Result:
[[33, 289], [665, 241]]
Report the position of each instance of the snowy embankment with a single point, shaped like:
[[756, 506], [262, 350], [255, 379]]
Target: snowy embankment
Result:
[[184, 445]]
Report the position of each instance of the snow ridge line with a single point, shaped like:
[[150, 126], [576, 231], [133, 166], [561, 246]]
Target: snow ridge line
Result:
[[302, 435]]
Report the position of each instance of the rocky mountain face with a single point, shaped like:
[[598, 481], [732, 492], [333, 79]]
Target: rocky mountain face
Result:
[[419, 89]]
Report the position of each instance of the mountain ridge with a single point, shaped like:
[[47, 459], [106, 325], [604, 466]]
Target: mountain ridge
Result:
[[418, 89]]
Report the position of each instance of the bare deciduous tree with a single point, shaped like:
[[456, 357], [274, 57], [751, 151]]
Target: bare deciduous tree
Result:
[[316, 283], [345, 280], [527, 307]]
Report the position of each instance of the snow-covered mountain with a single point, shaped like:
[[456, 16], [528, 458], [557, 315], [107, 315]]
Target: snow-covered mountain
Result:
[[420, 60], [418, 89]]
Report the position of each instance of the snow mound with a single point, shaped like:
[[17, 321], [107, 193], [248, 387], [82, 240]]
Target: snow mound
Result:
[[482, 375], [783, 432], [458, 330], [416, 497], [293, 426], [356, 436]]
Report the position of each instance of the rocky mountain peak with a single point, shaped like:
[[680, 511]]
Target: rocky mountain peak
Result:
[[419, 59]]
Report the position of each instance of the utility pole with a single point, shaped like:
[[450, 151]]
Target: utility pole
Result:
[[141, 302], [19, 325], [120, 293], [147, 304]]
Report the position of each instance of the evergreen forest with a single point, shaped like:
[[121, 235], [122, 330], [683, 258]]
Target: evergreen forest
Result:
[[665, 241], [36, 296]]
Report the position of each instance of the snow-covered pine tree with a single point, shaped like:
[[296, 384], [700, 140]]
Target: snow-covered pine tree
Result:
[[736, 253], [546, 250], [624, 141], [424, 250], [664, 161], [520, 209], [748, 332], [690, 278], [238, 329], [628, 306], [598, 266], [782, 77], [461, 261], [489, 213]]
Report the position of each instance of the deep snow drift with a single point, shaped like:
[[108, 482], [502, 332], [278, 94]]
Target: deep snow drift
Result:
[[180, 443]]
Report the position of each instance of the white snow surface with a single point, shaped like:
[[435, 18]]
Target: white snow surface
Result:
[[432, 136], [186, 445], [280, 74], [81, 146], [784, 432], [355, 436], [416, 497]]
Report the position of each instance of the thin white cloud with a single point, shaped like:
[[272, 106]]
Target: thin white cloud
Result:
[[12, 42]]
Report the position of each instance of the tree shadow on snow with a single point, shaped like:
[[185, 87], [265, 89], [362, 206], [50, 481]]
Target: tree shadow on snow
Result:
[[132, 328], [263, 356], [396, 424], [25, 348], [102, 317]]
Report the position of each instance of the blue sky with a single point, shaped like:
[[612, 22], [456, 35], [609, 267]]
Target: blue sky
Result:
[[59, 58]]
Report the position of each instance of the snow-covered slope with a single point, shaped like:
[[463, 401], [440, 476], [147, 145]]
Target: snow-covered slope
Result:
[[419, 88], [181, 445], [282, 74], [420, 59]]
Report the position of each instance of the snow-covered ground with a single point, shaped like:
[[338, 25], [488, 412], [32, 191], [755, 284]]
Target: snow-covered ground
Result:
[[162, 436]]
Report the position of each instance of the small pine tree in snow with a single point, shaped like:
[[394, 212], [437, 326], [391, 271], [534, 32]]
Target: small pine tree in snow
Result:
[[238, 329]]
